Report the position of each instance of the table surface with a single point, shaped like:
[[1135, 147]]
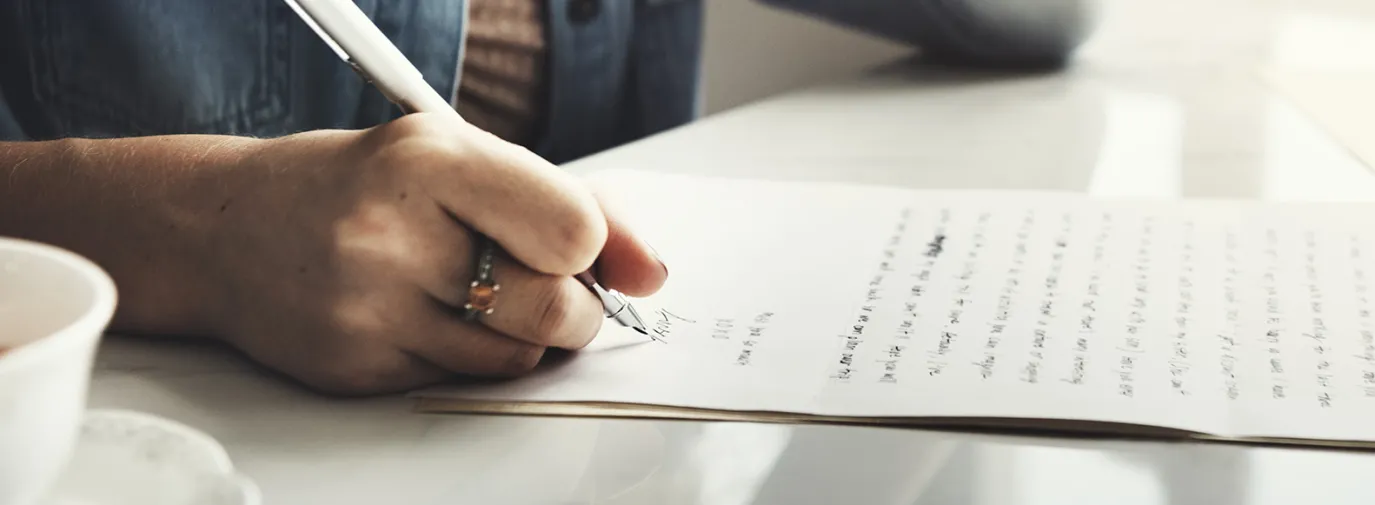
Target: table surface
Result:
[[1172, 99]]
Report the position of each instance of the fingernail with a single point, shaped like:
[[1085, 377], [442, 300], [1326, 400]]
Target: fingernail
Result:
[[658, 258]]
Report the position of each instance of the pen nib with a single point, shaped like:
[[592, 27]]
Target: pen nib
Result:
[[631, 318]]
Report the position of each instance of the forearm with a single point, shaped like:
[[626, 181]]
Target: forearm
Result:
[[141, 208]]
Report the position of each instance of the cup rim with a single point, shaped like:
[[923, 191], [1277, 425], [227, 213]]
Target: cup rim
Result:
[[90, 325]]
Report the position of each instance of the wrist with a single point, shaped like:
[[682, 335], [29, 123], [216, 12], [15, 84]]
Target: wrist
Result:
[[153, 225], [258, 227], [205, 252]]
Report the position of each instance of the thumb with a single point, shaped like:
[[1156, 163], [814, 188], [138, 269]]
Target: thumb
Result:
[[627, 263]]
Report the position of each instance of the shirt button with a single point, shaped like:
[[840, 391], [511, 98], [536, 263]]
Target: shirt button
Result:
[[582, 11]]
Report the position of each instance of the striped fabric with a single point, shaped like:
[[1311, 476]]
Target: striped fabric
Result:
[[502, 89]]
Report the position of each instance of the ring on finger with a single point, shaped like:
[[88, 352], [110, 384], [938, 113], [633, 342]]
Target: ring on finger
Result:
[[482, 291]]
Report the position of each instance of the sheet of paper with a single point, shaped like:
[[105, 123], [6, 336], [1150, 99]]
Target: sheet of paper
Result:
[[1230, 319]]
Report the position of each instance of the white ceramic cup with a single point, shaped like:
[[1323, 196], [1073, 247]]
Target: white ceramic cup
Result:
[[54, 306]]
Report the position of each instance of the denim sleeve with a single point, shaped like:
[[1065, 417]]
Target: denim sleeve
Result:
[[119, 68], [9, 127], [976, 31]]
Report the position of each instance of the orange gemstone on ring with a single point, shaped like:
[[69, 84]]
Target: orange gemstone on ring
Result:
[[482, 297]]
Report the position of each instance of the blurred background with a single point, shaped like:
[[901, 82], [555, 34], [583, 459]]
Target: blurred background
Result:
[[752, 51]]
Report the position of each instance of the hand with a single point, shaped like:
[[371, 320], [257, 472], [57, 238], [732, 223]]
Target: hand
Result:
[[343, 259]]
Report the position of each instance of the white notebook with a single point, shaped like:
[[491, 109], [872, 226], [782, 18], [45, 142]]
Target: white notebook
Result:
[[839, 303]]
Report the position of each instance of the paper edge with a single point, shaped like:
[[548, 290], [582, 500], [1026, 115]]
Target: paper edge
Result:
[[1026, 427]]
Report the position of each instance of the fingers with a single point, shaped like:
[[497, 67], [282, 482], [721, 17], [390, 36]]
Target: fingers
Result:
[[541, 309], [473, 349], [627, 264], [531, 307], [544, 217], [381, 371]]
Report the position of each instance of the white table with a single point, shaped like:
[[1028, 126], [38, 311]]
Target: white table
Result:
[[1169, 102]]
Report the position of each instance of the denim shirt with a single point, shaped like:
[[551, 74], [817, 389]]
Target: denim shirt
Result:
[[619, 70]]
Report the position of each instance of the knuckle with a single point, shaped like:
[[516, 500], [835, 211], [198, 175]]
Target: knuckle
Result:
[[422, 125], [553, 313], [415, 144], [414, 153], [578, 235]]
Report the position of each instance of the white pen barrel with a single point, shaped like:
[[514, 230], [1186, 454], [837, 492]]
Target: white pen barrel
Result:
[[372, 54]]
